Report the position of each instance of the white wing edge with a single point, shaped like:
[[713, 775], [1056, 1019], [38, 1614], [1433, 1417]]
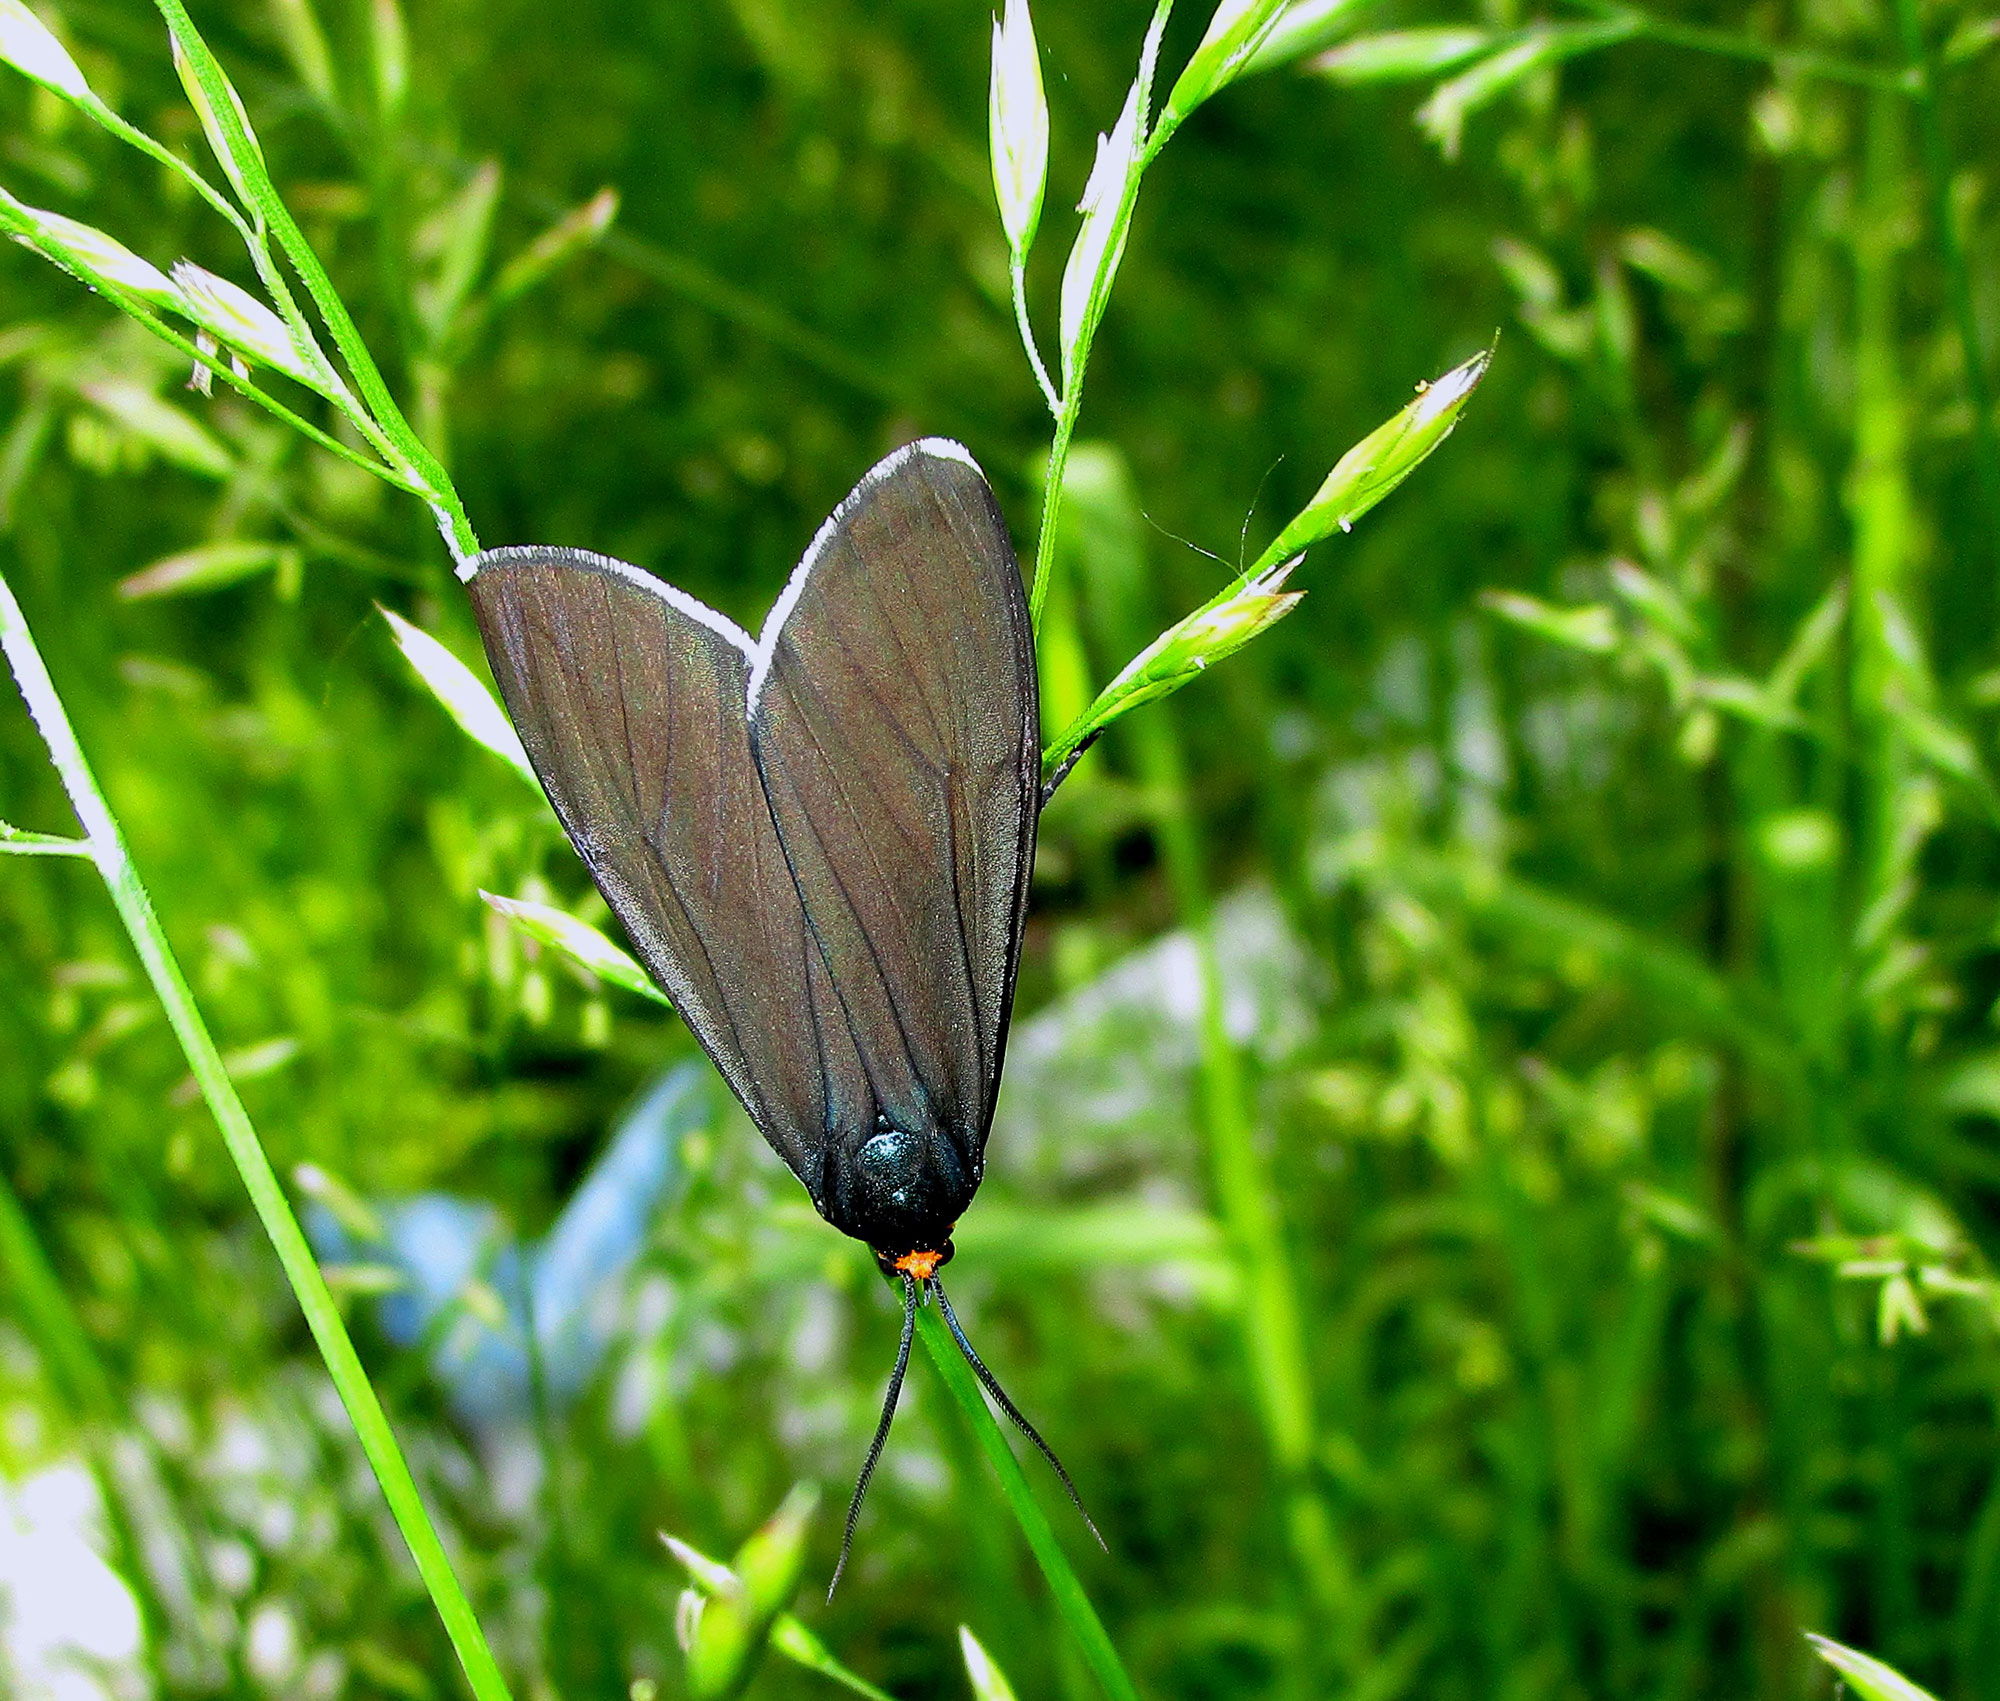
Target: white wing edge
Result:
[[637, 577], [758, 651], [936, 448]]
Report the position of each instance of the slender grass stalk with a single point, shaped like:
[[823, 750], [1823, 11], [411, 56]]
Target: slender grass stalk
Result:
[[1273, 1332], [1879, 489], [1727, 44], [1017, 272], [135, 909], [1951, 258], [1078, 1615], [1883, 519], [1109, 553], [38, 1299], [270, 208], [213, 363], [1076, 359], [694, 282]]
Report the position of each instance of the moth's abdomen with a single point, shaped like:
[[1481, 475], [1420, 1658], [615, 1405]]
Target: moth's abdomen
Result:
[[899, 1189]]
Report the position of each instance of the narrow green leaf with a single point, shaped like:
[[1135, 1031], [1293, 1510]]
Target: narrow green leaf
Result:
[[305, 45], [246, 1151], [802, 1647], [568, 236], [1072, 1604], [173, 435], [206, 568], [1401, 56], [1305, 26], [1871, 1678], [578, 941], [455, 239], [1588, 626], [989, 1682], [465, 699], [1443, 116], [15, 842], [1236, 30]]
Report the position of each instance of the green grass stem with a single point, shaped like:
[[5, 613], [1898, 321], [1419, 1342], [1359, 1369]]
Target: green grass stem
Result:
[[1078, 1615], [270, 207], [274, 1211], [1727, 44], [1077, 360], [216, 364], [1246, 1199], [52, 1324], [1937, 169]]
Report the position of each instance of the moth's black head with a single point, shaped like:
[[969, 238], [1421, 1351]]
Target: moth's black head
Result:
[[901, 1190]]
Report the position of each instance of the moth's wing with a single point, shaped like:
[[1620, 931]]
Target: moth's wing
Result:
[[630, 699], [893, 718]]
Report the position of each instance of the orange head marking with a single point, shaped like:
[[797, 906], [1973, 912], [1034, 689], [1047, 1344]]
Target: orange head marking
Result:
[[922, 1265]]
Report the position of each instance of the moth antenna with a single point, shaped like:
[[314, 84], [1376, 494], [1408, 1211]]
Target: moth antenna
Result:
[[1243, 537], [881, 1429], [1006, 1405]]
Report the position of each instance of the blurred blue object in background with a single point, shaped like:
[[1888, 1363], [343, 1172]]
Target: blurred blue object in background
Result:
[[468, 1286]]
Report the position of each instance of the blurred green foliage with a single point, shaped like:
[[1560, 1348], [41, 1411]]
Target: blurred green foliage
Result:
[[1496, 1190]]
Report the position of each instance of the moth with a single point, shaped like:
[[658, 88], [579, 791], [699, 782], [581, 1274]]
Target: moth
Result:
[[818, 839]]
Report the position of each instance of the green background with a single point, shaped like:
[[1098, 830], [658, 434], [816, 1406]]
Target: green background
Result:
[[1572, 996]]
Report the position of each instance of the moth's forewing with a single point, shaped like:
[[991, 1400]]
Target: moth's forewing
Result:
[[630, 701], [896, 729]]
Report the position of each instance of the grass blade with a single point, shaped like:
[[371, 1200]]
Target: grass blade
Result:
[[274, 1211], [1078, 1615]]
